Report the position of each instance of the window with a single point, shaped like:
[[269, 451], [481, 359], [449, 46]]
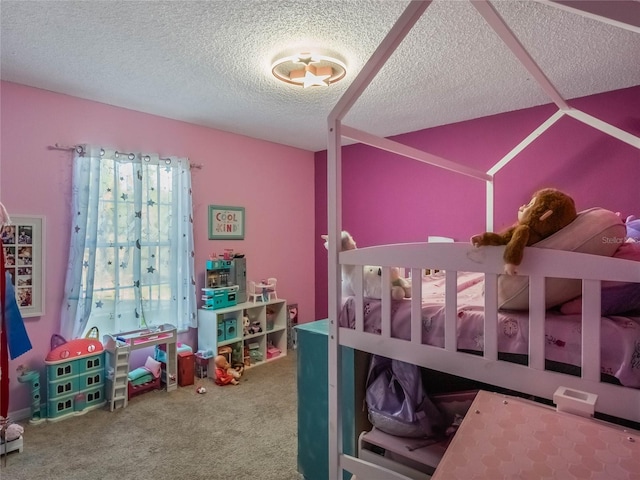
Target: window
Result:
[[131, 260]]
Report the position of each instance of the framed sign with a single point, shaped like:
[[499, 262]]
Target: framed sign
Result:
[[23, 243], [226, 223]]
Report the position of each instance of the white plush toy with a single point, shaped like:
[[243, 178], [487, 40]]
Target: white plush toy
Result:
[[372, 275], [13, 432]]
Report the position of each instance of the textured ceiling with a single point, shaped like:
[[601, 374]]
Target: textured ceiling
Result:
[[209, 62]]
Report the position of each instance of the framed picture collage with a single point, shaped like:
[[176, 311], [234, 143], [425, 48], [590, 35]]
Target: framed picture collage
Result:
[[23, 260]]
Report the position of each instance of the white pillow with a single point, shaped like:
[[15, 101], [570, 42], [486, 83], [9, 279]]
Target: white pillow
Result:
[[153, 366], [583, 235]]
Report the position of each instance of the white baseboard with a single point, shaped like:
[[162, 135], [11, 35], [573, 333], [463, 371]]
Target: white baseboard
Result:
[[19, 415]]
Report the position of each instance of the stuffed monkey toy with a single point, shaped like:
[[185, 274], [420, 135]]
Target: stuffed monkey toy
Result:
[[548, 211], [372, 275]]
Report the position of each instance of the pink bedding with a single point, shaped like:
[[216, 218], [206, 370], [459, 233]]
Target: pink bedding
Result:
[[620, 334]]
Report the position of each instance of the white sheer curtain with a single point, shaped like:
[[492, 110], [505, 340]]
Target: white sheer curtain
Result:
[[131, 250]]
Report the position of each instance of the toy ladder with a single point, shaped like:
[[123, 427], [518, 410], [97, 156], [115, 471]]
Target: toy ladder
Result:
[[120, 370]]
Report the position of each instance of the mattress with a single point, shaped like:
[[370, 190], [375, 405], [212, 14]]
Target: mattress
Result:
[[620, 335]]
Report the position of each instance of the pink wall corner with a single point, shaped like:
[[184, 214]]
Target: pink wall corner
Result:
[[270, 180], [391, 199]]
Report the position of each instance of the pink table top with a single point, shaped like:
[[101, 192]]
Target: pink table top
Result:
[[505, 437]]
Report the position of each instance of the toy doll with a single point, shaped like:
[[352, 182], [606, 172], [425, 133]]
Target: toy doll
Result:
[[372, 275], [225, 375], [548, 211]]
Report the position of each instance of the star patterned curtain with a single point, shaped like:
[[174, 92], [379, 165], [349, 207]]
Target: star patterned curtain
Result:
[[131, 249]]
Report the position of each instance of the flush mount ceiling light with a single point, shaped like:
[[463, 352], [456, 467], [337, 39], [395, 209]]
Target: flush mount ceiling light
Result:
[[309, 70]]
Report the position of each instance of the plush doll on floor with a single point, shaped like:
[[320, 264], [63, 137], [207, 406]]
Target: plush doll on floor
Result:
[[372, 275], [548, 211], [225, 374], [12, 431]]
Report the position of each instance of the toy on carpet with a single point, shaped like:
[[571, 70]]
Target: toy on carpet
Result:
[[548, 211], [201, 390], [10, 437], [12, 432], [372, 275], [225, 373]]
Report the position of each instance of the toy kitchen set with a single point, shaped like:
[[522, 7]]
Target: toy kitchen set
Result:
[[225, 282]]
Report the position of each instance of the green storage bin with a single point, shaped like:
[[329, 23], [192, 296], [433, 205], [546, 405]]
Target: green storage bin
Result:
[[313, 400]]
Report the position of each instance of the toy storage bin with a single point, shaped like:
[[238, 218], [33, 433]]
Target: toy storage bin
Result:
[[254, 352], [256, 355], [273, 352]]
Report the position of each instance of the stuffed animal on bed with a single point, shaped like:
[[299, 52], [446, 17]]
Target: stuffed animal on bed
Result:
[[548, 211], [372, 275]]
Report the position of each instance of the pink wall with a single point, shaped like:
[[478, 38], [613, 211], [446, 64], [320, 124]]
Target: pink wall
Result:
[[391, 199], [271, 181]]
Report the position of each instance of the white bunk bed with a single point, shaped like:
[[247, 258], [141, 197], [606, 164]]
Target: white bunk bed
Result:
[[531, 379]]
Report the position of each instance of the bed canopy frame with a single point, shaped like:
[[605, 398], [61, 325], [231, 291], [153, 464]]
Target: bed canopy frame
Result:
[[336, 131]]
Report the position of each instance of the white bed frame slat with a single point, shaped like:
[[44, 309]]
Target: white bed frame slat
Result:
[[386, 305], [536, 322], [496, 22], [461, 256], [604, 127], [411, 152], [491, 316], [591, 331], [416, 306], [451, 311], [358, 287]]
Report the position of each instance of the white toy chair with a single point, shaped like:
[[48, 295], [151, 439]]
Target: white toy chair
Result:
[[252, 293], [271, 291]]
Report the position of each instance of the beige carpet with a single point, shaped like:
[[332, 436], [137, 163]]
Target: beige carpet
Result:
[[239, 432]]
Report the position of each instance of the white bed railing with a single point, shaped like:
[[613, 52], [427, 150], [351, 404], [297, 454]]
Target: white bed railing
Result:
[[538, 264]]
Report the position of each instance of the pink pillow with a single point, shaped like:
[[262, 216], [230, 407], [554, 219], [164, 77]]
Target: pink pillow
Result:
[[153, 366], [583, 235]]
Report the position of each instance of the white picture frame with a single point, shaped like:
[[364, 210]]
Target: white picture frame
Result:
[[23, 244]]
